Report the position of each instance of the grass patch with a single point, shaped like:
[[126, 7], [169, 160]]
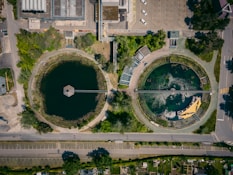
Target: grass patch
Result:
[[206, 56], [121, 117], [6, 72], [209, 126], [120, 86], [217, 66]]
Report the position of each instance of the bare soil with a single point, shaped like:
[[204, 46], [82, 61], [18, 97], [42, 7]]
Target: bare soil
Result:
[[102, 48]]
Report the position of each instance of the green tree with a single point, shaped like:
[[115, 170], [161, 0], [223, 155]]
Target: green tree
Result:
[[101, 158], [71, 163], [120, 100], [84, 41], [43, 127], [28, 118], [128, 45], [31, 46], [204, 43], [205, 16]]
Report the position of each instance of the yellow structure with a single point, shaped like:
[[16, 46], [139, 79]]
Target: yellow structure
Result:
[[191, 109]]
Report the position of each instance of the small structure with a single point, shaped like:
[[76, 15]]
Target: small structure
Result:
[[68, 91], [69, 35], [2, 85], [128, 70], [144, 165], [173, 37], [114, 55], [143, 52], [34, 6], [224, 8], [191, 109]]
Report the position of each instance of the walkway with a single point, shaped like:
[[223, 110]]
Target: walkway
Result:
[[170, 91], [90, 91], [208, 67]]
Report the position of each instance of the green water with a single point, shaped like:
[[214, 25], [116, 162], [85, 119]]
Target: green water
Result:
[[80, 77], [166, 77]]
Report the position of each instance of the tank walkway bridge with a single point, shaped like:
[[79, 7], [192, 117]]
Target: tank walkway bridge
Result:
[[70, 91], [171, 91], [89, 91]]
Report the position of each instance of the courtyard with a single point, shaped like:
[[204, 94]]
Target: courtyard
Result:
[[160, 14]]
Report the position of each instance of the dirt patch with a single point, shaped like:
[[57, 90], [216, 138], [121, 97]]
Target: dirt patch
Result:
[[102, 48], [114, 79]]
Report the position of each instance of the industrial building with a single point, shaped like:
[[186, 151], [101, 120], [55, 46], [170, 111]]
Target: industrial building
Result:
[[52, 9], [34, 6], [72, 9]]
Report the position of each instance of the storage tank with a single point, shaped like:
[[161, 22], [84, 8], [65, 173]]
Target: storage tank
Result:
[[31, 5], [27, 7], [39, 5], [44, 5], [23, 5]]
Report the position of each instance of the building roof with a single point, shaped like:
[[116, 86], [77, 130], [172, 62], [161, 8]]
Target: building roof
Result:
[[110, 2], [69, 34], [144, 51], [34, 5], [110, 13], [173, 34], [68, 91], [2, 85]]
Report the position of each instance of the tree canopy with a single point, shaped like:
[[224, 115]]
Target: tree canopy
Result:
[[100, 157], [84, 41], [29, 119], [205, 42], [31, 46], [206, 16], [71, 163], [128, 45]]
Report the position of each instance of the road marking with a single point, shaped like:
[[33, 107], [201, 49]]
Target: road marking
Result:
[[224, 60], [220, 119], [226, 78], [224, 91]]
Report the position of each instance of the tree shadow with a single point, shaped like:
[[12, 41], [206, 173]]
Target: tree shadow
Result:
[[69, 156], [187, 21], [199, 35], [229, 65], [97, 153], [100, 157], [191, 4], [227, 106]]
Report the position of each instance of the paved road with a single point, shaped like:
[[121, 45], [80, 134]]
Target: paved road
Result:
[[224, 124], [171, 91], [12, 29], [109, 136], [51, 151]]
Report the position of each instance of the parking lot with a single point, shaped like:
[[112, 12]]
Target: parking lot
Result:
[[159, 14], [64, 145]]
